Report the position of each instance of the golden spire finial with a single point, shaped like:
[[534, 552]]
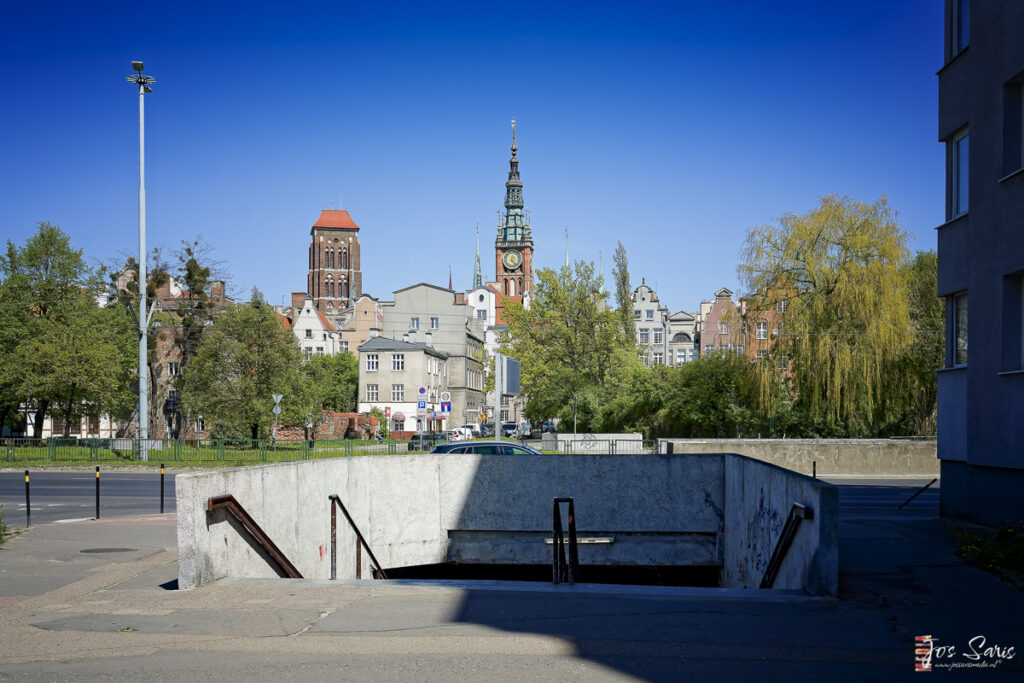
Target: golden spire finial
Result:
[[513, 135]]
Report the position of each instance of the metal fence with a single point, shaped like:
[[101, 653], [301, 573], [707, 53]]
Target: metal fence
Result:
[[591, 446], [58, 450]]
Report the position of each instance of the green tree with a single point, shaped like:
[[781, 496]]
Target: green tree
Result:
[[568, 342], [623, 292], [56, 344], [245, 358], [333, 381], [715, 396], [911, 388], [840, 270]]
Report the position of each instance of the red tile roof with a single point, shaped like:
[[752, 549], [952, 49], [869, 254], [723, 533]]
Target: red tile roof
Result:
[[324, 321], [334, 218], [285, 322]]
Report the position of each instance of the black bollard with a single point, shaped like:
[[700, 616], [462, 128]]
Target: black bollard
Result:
[[161, 488], [814, 469], [97, 491], [28, 503]]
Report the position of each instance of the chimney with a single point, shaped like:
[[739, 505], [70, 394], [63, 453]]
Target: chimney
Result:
[[298, 299], [374, 332], [217, 290], [405, 337]]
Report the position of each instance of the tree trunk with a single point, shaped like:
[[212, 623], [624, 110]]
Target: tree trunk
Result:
[[40, 415], [255, 431], [4, 412], [67, 412]]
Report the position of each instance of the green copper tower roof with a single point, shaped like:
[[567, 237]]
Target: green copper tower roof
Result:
[[514, 227]]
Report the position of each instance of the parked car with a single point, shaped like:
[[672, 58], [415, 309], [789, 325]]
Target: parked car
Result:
[[509, 429], [460, 434], [486, 448], [525, 430], [548, 428], [474, 429], [487, 429]]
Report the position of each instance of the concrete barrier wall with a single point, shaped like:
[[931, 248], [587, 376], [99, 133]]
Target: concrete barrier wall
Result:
[[758, 499], [429, 509], [834, 456]]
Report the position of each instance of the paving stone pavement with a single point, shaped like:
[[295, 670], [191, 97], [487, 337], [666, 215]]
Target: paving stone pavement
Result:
[[68, 614]]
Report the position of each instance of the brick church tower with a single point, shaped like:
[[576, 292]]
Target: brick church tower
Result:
[[335, 277], [513, 247]]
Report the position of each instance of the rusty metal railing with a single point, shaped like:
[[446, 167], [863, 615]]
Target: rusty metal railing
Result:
[[235, 509], [377, 570], [797, 514], [560, 570]]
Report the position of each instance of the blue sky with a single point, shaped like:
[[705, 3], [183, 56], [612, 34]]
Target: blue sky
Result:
[[672, 127]]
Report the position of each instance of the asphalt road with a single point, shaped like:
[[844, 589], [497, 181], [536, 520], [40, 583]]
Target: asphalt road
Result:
[[71, 495]]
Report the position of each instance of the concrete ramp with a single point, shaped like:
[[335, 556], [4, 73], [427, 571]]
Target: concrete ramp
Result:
[[717, 510]]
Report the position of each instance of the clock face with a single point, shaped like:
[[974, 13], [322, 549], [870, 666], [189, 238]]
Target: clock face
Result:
[[512, 259]]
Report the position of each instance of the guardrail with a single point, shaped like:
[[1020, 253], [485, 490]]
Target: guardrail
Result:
[[581, 445], [377, 570], [281, 563], [186, 451]]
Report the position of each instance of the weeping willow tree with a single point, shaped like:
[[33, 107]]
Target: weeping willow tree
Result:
[[845, 318]]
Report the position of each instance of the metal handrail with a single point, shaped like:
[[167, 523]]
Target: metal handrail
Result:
[[378, 571], [797, 514], [560, 570], [235, 509]]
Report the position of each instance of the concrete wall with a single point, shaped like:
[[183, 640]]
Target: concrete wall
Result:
[[428, 509], [834, 456], [758, 499]]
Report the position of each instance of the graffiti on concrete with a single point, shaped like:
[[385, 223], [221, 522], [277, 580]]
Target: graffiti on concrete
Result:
[[588, 442], [762, 531]]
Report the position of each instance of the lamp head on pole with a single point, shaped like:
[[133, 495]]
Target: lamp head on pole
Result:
[[141, 79]]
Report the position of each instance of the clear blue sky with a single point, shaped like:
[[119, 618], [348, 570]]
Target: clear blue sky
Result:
[[670, 126]]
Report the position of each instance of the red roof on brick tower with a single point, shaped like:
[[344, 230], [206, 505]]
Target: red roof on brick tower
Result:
[[335, 218]]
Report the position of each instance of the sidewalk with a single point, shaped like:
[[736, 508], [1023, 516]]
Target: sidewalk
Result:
[[115, 615]]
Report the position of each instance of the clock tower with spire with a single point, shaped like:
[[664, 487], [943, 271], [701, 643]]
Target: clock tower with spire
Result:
[[513, 247]]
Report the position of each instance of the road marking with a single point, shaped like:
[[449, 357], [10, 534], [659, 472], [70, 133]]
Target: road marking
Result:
[[76, 519]]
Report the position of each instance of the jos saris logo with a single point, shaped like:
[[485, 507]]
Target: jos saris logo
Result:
[[979, 653]]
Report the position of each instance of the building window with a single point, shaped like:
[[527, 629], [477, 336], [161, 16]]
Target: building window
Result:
[[724, 347], [739, 349], [173, 369], [650, 314], [762, 353], [960, 329], [504, 417], [658, 337], [372, 393], [645, 336], [481, 314], [781, 306], [723, 327], [708, 348], [1013, 125], [658, 358], [1013, 322], [343, 345], [761, 330], [309, 333], [783, 362], [319, 350], [961, 25], [92, 426], [435, 324], [414, 324], [344, 258], [680, 356], [959, 182], [307, 353], [398, 361], [636, 313], [397, 392], [371, 362]]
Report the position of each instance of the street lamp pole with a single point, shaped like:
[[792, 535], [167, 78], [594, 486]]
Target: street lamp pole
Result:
[[143, 81]]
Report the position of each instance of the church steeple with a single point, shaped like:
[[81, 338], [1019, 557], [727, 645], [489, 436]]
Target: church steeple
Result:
[[513, 248], [514, 227], [478, 280]]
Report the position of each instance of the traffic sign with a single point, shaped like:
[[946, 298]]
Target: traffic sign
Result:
[[277, 410], [446, 396], [423, 391], [446, 407], [277, 397], [387, 411]]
